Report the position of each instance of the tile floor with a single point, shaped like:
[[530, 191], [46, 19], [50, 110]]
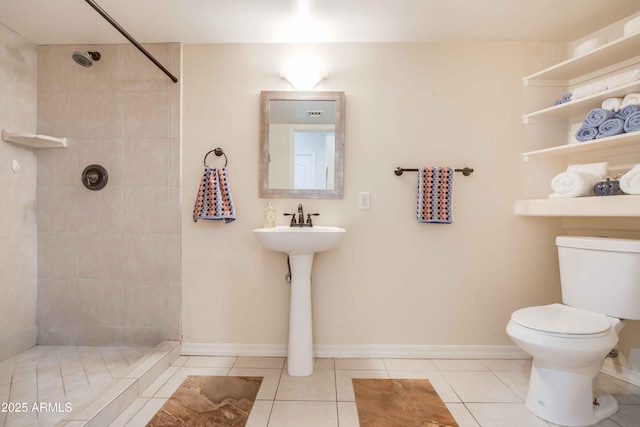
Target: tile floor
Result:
[[58, 375], [487, 393]]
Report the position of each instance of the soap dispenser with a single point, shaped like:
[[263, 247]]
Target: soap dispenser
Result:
[[269, 219]]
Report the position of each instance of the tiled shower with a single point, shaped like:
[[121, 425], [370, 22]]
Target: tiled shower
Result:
[[90, 267], [109, 260]]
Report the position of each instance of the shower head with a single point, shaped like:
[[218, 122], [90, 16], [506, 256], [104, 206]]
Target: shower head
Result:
[[85, 58]]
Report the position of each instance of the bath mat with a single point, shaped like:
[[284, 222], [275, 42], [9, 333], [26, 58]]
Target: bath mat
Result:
[[209, 401], [407, 402]]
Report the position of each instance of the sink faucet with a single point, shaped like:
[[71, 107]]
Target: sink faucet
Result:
[[301, 222]]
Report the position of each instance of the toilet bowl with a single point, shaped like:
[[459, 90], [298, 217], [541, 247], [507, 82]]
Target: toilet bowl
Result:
[[568, 346], [569, 342]]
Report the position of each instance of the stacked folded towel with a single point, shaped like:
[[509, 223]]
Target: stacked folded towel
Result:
[[578, 180], [622, 116], [625, 112], [605, 84], [630, 181], [610, 128], [632, 123]]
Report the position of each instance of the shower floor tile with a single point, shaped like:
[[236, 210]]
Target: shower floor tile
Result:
[[45, 384]]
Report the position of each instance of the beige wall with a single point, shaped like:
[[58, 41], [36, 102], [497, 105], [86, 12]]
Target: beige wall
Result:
[[393, 281], [109, 260], [18, 267]]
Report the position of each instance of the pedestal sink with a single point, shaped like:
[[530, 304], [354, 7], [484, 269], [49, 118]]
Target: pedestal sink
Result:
[[300, 243]]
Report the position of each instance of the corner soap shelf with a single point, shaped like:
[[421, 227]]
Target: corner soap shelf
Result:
[[32, 140]]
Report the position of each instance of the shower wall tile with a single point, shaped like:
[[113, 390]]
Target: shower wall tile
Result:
[[57, 255], [101, 303], [100, 256], [175, 107], [57, 73], [174, 311], [99, 115], [146, 209], [106, 152], [57, 208], [100, 211], [143, 336], [149, 257], [146, 115], [146, 161], [18, 209], [145, 303], [58, 335], [18, 114], [18, 298], [59, 166], [140, 74], [58, 114], [58, 302], [103, 335], [174, 224], [105, 75], [175, 155], [175, 64], [18, 261], [111, 253]]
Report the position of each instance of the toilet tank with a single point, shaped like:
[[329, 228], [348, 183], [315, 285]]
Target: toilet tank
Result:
[[600, 274]]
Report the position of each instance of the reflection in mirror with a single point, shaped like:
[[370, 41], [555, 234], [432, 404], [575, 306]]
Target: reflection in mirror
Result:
[[301, 144]]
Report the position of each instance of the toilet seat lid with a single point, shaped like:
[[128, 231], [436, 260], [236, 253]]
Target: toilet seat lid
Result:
[[561, 319]]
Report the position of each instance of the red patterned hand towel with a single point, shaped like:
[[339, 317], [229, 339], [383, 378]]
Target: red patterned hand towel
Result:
[[214, 198], [435, 188]]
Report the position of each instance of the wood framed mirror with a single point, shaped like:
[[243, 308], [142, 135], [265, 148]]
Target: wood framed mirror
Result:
[[301, 145]]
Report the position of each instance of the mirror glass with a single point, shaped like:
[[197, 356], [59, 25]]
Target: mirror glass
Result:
[[301, 144]]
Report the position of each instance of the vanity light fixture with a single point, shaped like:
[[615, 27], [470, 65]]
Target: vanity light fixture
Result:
[[303, 72]]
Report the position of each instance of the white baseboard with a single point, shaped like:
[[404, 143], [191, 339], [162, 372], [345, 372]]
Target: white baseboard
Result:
[[359, 351], [621, 373]]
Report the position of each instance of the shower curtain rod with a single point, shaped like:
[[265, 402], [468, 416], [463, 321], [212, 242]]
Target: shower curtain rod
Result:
[[129, 37]]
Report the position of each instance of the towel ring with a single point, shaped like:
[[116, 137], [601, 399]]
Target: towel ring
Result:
[[218, 152]]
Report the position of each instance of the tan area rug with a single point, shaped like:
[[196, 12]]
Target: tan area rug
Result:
[[396, 403], [209, 401]]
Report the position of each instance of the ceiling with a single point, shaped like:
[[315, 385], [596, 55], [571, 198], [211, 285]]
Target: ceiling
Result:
[[282, 21]]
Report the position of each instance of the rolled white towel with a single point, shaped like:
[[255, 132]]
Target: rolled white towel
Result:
[[631, 99], [599, 169], [612, 104], [573, 184], [630, 181]]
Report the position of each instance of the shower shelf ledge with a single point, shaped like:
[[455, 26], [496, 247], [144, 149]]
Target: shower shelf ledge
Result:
[[32, 140]]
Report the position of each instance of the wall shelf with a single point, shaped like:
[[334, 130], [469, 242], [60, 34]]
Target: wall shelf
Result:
[[553, 127], [32, 140], [580, 106], [611, 206], [613, 52], [618, 141]]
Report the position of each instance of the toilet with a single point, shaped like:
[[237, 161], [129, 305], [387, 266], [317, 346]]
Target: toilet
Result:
[[600, 281]]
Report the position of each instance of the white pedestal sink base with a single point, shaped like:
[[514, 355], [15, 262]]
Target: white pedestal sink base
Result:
[[300, 352], [300, 243]]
